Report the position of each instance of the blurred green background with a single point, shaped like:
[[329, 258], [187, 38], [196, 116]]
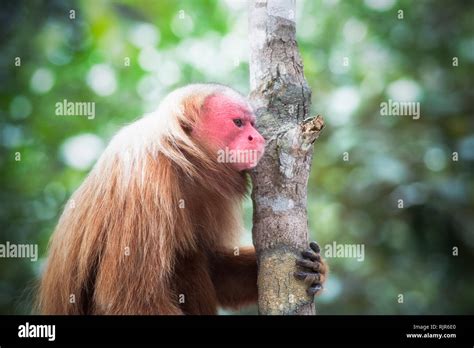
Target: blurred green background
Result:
[[408, 250]]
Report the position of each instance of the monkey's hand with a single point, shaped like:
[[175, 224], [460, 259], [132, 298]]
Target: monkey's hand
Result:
[[312, 269]]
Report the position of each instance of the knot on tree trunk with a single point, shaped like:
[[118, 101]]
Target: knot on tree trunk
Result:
[[294, 144]]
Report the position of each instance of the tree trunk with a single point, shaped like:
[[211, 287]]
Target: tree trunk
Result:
[[281, 99]]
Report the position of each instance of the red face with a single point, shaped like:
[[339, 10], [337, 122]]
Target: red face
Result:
[[228, 127]]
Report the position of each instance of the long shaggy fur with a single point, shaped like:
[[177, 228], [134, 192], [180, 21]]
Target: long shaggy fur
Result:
[[137, 233]]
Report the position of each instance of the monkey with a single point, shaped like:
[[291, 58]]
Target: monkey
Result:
[[153, 228]]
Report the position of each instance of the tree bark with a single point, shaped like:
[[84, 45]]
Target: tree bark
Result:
[[281, 99]]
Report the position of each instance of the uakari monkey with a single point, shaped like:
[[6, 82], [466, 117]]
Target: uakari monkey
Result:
[[154, 226]]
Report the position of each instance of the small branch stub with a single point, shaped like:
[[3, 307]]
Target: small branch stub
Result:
[[311, 129]]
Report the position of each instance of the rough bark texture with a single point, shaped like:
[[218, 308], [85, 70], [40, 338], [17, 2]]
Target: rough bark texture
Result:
[[281, 99]]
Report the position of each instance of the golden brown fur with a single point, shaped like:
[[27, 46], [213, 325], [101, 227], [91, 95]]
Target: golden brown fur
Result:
[[156, 218]]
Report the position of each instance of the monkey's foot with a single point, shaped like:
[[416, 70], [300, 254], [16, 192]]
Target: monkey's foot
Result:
[[313, 269]]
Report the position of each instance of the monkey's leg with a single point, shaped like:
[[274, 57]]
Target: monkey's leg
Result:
[[193, 286], [234, 275], [313, 269]]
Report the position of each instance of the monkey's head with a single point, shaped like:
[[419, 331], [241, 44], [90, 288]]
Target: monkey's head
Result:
[[209, 117], [227, 127]]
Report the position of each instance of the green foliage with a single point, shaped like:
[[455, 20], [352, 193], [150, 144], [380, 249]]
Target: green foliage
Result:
[[170, 43]]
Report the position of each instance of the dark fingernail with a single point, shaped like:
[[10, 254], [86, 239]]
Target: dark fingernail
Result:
[[299, 275], [303, 263], [315, 247], [314, 289]]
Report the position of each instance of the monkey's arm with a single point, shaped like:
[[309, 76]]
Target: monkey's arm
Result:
[[235, 276]]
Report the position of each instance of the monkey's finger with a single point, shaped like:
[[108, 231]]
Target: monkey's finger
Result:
[[308, 264], [310, 278], [314, 289], [315, 247], [310, 254]]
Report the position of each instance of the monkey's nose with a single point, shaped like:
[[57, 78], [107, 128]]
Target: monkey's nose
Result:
[[250, 138]]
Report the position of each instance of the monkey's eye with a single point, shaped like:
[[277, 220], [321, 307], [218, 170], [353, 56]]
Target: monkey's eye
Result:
[[238, 122]]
